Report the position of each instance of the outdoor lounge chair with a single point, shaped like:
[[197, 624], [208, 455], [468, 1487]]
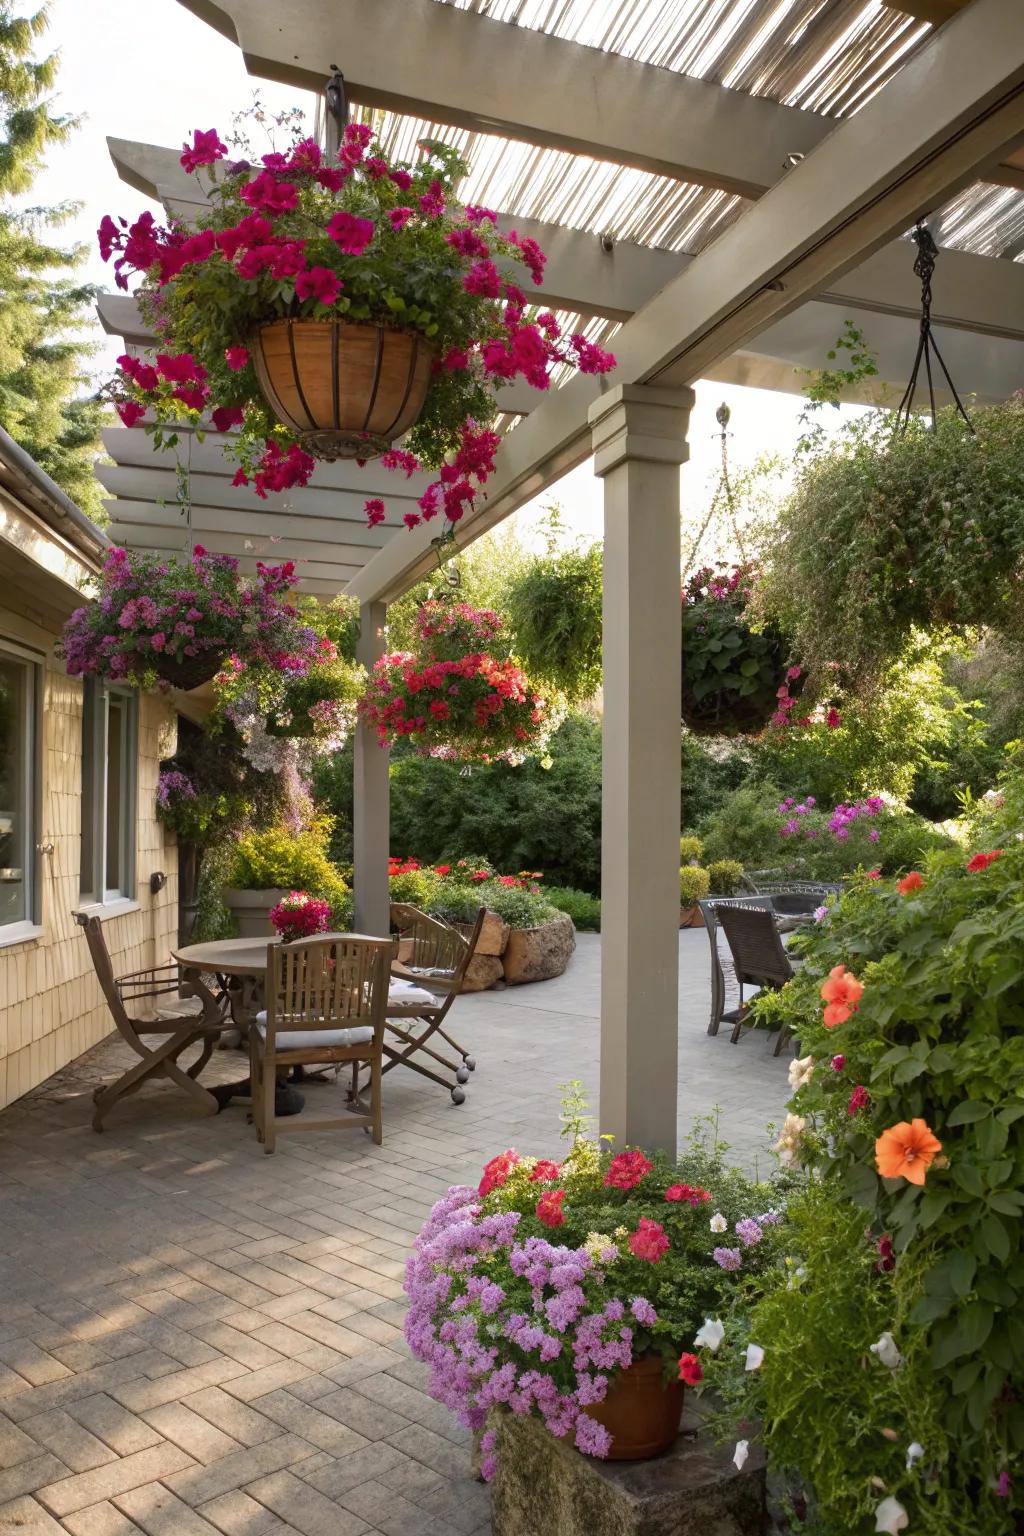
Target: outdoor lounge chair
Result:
[[758, 953], [177, 1031], [326, 998], [426, 980]]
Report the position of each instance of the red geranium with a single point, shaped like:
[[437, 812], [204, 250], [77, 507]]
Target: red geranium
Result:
[[626, 1170], [648, 1242], [983, 860], [497, 1171], [690, 1370], [549, 1208]]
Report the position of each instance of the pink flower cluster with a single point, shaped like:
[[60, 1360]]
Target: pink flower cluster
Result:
[[300, 916]]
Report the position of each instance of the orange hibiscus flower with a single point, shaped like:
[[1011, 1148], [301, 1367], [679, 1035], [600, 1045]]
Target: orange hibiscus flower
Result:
[[911, 882], [906, 1151], [842, 992]]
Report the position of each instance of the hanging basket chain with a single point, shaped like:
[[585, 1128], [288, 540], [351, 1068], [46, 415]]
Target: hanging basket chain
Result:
[[927, 346], [723, 492]]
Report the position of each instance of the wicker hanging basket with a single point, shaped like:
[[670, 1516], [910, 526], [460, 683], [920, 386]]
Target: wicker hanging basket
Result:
[[347, 391], [191, 671]]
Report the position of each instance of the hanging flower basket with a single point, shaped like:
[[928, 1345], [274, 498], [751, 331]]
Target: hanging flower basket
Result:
[[320, 705], [174, 623], [735, 678], [323, 308], [458, 696], [344, 391]]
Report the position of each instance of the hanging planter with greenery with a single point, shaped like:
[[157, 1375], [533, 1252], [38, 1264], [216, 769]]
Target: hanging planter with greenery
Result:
[[171, 623], [324, 309], [735, 674], [554, 610], [455, 697], [888, 533]]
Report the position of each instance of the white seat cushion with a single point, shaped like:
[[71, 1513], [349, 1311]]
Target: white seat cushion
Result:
[[402, 993], [310, 1039], [431, 970]]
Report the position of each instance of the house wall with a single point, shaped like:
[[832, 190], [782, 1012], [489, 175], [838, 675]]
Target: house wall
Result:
[[51, 1008]]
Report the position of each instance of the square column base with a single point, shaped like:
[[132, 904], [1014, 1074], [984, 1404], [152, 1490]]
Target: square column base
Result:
[[544, 1487]]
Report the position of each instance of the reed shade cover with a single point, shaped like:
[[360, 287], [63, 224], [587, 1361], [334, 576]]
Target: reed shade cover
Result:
[[346, 391]]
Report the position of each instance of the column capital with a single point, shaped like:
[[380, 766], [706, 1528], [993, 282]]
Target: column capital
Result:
[[640, 421]]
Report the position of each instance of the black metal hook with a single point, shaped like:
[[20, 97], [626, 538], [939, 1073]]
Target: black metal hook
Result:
[[927, 346]]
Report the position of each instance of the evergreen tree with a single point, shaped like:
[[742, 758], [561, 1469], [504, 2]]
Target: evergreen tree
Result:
[[43, 308]]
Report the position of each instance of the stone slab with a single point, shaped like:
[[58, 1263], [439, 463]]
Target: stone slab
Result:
[[544, 1487], [538, 954]]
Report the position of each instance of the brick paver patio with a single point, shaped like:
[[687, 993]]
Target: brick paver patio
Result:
[[199, 1340]]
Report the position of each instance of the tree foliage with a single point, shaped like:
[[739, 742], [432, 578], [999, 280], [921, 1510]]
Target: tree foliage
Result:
[[43, 306]]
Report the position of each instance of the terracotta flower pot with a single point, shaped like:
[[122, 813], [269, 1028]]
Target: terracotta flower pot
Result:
[[690, 917], [347, 391], [641, 1411]]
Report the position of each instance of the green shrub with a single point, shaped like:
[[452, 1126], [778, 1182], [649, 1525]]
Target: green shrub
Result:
[[526, 818], [584, 909], [416, 887], [937, 1036], [515, 906], [709, 771], [690, 850], [694, 885], [282, 859], [745, 827], [726, 876]]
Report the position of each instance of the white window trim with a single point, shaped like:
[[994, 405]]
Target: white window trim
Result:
[[102, 902], [29, 928]]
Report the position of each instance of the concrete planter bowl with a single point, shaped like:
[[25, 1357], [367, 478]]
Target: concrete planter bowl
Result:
[[251, 911]]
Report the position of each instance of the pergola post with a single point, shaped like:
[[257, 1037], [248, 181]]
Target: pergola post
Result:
[[371, 794], [639, 441]]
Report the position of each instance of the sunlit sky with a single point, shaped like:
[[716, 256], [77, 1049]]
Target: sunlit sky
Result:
[[153, 72]]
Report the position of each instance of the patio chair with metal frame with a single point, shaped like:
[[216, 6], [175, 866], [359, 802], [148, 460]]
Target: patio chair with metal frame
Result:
[[426, 980], [179, 1030], [758, 953], [326, 999]]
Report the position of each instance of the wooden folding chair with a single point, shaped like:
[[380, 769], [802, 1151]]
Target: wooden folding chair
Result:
[[179, 1030], [326, 1000], [426, 980], [758, 953]]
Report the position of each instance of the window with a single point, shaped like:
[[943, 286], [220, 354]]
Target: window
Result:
[[19, 789], [109, 758]]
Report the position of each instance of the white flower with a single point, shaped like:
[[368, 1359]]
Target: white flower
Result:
[[800, 1072], [885, 1349], [891, 1517], [718, 1222], [712, 1334], [914, 1453], [755, 1354], [740, 1454], [788, 1144]]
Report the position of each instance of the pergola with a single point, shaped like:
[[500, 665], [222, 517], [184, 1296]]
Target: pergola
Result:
[[717, 184]]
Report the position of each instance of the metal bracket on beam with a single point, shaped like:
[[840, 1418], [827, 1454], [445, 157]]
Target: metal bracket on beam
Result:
[[337, 112]]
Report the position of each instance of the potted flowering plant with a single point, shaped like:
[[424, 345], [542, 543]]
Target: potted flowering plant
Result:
[[569, 1291], [172, 622], [324, 309], [456, 698], [735, 676], [300, 916]]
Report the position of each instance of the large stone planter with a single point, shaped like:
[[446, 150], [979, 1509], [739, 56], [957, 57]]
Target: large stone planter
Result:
[[251, 911], [493, 935], [544, 1487], [537, 954]]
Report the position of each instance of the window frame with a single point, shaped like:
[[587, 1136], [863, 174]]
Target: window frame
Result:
[[95, 893], [29, 926]]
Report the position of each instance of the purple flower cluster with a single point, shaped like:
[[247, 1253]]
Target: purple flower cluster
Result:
[[749, 1232], [464, 1325], [150, 612], [173, 785], [728, 1258], [839, 822]]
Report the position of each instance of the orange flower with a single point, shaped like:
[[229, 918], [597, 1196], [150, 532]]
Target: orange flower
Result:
[[911, 882], [841, 992], [906, 1151]]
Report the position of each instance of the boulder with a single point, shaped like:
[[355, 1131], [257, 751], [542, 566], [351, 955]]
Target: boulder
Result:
[[537, 954], [482, 972], [493, 935]]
